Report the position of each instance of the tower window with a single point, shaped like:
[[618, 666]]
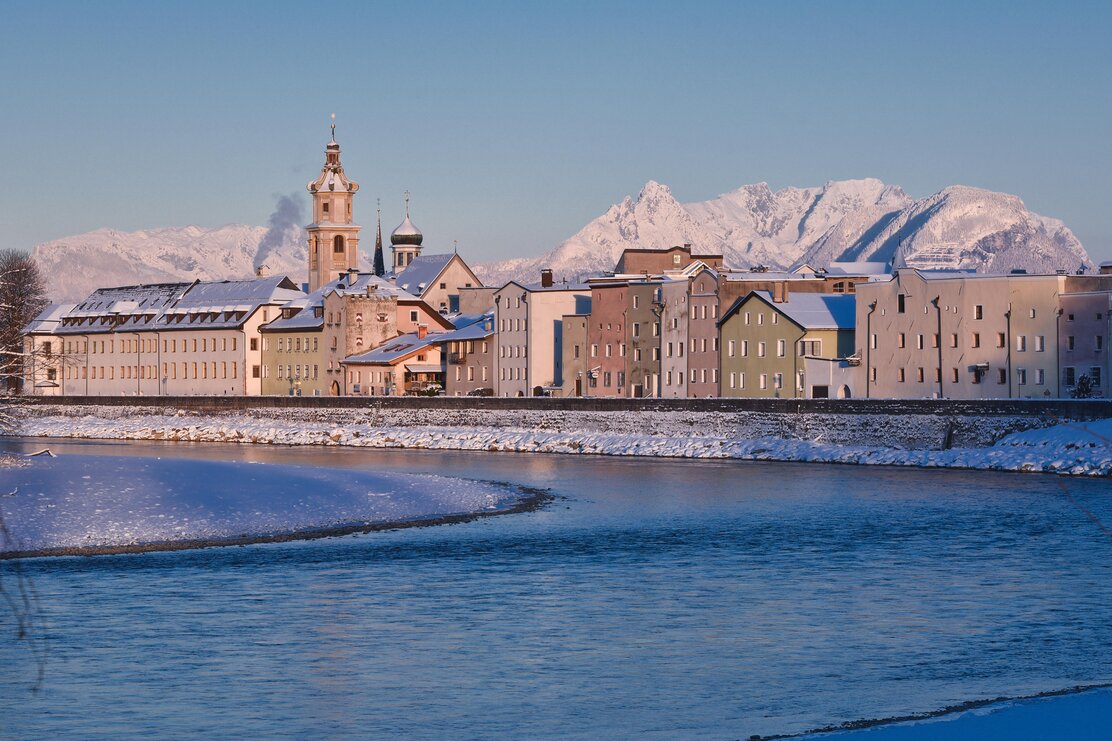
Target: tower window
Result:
[[338, 244], [324, 207]]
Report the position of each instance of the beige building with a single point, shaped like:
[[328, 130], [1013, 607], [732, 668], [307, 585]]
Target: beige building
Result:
[[469, 358], [439, 281], [199, 338], [954, 335], [410, 364], [304, 348], [575, 366], [767, 340], [529, 324], [43, 361], [333, 236]]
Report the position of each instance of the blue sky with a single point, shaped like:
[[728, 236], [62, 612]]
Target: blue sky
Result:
[[514, 125]]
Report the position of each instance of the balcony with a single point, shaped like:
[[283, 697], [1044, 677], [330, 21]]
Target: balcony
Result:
[[457, 358]]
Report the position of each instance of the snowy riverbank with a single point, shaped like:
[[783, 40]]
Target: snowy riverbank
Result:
[[1072, 448], [85, 504]]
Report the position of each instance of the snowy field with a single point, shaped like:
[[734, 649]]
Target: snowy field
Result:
[[83, 502], [1079, 449]]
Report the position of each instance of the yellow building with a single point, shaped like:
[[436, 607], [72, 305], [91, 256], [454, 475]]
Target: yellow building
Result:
[[766, 342]]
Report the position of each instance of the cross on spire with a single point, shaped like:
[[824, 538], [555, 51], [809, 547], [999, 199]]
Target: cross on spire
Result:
[[333, 128], [407, 204]]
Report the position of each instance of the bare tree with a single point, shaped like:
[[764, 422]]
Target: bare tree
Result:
[[22, 297]]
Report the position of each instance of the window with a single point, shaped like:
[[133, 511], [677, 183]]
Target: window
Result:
[[636, 329], [1069, 342], [953, 340], [1040, 377], [1001, 375], [920, 376], [1094, 374], [975, 341], [872, 341], [1098, 342], [636, 301], [1031, 313], [934, 340], [978, 312], [778, 380], [781, 348], [919, 342], [254, 343], [900, 375], [901, 340], [764, 380], [1021, 343], [1001, 341], [745, 348], [338, 244], [1021, 375], [730, 351], [901, 303], [621, 379], [760, 349]]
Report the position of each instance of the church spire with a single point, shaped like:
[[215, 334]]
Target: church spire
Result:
[[380, 263]]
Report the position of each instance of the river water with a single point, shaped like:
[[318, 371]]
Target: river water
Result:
[[651, 599]]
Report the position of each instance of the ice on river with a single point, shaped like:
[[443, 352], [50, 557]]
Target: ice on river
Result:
[[80, 501]]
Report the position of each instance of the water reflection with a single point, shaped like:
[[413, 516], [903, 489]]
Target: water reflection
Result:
[[654, 599]]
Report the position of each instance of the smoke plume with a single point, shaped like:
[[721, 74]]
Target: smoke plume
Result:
[[284, 227]]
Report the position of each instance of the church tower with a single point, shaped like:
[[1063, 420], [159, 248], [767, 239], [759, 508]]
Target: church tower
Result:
[[405, 241], [333, 237]]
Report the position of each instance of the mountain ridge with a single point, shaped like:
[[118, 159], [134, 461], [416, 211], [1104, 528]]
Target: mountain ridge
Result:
[[864, 219]]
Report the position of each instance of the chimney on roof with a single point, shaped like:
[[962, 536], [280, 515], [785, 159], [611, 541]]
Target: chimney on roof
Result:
[[422, 331], [780, 292], [546, 278], [1106, 268]]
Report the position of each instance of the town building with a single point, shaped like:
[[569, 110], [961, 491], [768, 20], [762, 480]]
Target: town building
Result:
[[624, 336], [767, 337], [959, 335], [438, 280], [304, 348], [199, 338], [656, 261], [528, 320], [43, 359], [576, 367], [407, 364], [468, 352]]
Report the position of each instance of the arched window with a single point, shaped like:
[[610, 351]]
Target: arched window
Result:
[[338, 244]]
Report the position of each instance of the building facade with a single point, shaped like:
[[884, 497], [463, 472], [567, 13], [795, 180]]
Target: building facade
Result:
[[959, 335], [766, 341], [529, 325]]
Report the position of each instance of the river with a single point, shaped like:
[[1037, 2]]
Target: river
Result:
[[651, 599]]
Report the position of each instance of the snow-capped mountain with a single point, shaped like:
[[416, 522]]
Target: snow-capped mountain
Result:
[[76, 266], [959, 227]]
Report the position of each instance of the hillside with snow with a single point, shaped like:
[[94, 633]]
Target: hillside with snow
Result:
[[959, 227]]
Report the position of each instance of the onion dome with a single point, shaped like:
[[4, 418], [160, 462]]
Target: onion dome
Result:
[[407, 233]]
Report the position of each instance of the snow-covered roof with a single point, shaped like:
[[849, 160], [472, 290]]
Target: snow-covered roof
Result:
[[349, 284], [48, 319], [420, 275], [396, 350], [480, 329], [166, 306], [808, 310], [858, 268]]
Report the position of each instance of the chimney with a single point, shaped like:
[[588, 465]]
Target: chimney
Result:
[[546, 278], [1106, 268], [780, 292], [422, 331]]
